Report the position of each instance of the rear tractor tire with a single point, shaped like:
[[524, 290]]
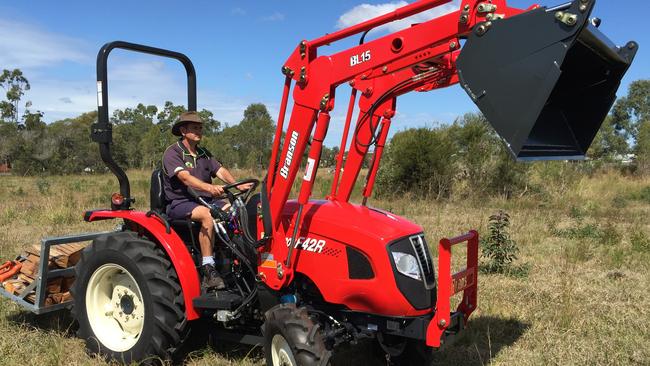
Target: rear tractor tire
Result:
[[293, 338], [128, 302]]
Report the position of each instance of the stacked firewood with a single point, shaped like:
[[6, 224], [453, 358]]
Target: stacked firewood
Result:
[[58, 289]]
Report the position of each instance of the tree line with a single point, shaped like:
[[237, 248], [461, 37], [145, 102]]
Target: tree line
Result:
[[434, 161], [140, 135]]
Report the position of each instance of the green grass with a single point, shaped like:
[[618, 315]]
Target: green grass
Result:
[[585, 298]]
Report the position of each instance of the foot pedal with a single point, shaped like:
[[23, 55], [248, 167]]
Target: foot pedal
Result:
[[218, 300]]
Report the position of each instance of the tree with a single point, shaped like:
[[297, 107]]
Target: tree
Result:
[[635, 110], [632, 114], [255, 136], [130, 125], [476, 149], [73, 150], [328, 156], [609, 142], [9, 141], [169, 115], [642, 147], [15, 84], [631, 110], [487, 166], [224, 146]]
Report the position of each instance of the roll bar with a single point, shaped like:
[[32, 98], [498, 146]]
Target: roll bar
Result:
[[102, 131]]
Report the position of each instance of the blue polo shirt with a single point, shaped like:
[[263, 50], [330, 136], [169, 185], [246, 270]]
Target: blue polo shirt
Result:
[[177, 158]]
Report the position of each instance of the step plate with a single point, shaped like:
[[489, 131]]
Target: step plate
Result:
[[219, 300]]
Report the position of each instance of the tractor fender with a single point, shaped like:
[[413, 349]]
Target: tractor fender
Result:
[[180, 257]]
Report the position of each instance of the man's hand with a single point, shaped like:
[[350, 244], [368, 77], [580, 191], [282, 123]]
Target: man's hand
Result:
[[245, 186], [215, 190]]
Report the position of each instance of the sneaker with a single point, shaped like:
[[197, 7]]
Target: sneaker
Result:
[[211, 278]]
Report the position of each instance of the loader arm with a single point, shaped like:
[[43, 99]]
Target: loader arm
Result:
[[420, 58]]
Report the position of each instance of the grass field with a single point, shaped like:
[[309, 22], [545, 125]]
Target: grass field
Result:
[[585, 299]]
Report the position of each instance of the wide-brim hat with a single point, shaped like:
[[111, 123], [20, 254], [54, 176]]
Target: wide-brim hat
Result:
[[186, 117]]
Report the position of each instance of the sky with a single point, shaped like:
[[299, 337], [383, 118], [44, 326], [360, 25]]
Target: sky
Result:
[[237, 48]]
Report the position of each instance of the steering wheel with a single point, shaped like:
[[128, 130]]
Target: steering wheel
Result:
[[231, 191], [228, 193]]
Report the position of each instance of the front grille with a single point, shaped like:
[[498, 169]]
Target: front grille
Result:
[[424, 260]]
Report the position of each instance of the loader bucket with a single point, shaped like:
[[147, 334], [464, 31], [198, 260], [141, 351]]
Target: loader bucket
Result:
[[544, 79]]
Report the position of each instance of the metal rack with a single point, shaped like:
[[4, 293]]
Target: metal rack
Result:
[[39, 286]]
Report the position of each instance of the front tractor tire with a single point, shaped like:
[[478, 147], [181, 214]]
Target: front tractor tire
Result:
[[293, 338], [128, 302]]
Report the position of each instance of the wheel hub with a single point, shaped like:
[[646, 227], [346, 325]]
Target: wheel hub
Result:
[[281, 353], [130, 312], [115, 308], [126, 303]]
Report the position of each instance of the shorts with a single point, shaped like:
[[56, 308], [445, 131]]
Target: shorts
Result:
[[182, 209]]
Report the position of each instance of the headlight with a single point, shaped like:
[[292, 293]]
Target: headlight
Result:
[[407, 265]]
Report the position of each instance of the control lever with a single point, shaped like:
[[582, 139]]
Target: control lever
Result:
[[215, 211]]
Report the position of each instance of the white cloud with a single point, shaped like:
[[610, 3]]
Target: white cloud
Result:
[[132, 82], [27, 46], [363, 12], [275, 17], [132, 78]]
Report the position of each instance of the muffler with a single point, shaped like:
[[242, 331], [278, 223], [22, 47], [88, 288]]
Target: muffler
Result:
[[544, 79]]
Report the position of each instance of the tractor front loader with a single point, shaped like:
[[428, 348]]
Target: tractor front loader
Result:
[[305, 277]]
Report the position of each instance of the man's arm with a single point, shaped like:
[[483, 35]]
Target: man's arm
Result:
[[224, 175], [189, 180]]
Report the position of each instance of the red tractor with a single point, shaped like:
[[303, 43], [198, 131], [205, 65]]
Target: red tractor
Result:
[[307, 276]]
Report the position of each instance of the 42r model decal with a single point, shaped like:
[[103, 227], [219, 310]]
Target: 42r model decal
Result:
[[308, 244]]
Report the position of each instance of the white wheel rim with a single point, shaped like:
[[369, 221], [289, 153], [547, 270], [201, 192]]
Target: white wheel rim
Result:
[[115, 308], [281, 354]]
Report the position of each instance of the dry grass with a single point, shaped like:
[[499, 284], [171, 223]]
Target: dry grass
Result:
[[585, 300]]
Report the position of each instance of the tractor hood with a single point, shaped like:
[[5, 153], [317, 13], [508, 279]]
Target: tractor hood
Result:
[[347, 223]]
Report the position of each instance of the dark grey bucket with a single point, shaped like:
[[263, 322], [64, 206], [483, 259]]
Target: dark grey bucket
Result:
[[544, 84]]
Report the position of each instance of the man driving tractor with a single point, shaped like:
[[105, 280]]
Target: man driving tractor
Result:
[[185, 164]]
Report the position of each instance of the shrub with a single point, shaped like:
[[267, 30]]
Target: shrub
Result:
[[419, 161], [43, 185], [499, 249]]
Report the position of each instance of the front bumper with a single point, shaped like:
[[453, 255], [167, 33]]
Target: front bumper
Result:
[[415, 328]]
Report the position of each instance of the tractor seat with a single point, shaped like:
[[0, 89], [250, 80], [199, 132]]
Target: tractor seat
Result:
[[158, 204]]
